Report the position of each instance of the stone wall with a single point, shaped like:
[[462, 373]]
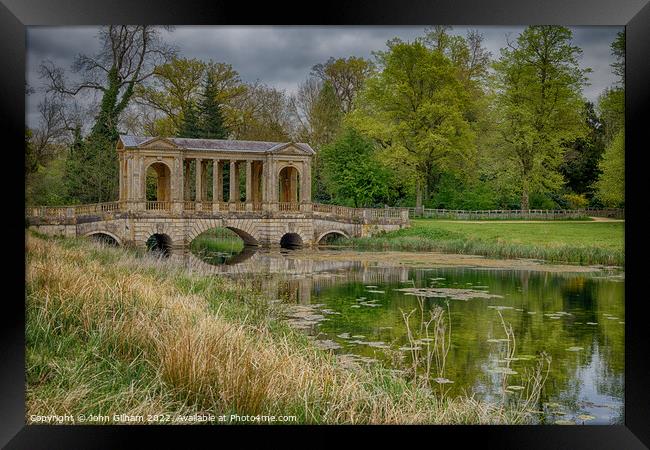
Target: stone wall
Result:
[[265, 230]]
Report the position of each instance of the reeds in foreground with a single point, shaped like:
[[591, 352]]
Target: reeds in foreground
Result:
[[110, 332]]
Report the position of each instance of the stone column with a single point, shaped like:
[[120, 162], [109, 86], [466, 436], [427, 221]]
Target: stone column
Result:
[[121, 177], [204, 180], [305, 188], [217, 184], [198, 176], [139, 180], [234, 182], [262, 183], [186, 181], [177, 185], [271, 185], [293, 185], [255, 182], [249, 184]]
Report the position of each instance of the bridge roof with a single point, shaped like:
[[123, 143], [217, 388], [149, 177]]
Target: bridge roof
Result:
[[221, 145]]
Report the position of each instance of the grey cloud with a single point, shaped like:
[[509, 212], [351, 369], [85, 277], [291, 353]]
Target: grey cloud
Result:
[[282, 56]]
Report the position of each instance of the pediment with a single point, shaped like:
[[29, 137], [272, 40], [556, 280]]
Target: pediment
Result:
[[291, 148], [158, 142]]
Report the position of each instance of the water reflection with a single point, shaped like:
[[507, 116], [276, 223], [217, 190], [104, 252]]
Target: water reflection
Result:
[[499, 324]]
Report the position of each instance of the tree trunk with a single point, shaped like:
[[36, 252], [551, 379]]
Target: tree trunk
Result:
[[418, 195], [524, 194]]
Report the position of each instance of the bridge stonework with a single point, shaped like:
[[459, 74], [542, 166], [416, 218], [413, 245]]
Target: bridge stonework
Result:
[[276, 201], [133, 229]]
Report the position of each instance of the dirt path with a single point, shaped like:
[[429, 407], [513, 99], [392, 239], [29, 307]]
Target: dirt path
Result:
[[606, 219]]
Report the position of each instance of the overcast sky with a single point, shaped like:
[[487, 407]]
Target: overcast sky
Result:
[[282, 56]]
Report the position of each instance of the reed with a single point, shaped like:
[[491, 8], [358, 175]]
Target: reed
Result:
[[580, 243], [110, 331]]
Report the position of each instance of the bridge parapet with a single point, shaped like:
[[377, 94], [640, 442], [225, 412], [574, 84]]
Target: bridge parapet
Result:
[[100, 211]]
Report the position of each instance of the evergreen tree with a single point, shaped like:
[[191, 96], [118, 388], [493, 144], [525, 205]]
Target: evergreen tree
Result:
[[190, 127], [212, 121]]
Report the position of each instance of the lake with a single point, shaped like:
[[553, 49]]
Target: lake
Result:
[[465, 328]]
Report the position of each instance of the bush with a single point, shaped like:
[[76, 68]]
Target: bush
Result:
[[576, 201]]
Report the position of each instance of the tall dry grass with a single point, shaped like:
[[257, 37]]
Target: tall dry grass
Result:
[[111, 332]]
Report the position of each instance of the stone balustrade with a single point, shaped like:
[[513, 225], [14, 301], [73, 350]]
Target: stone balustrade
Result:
[[357, 215]]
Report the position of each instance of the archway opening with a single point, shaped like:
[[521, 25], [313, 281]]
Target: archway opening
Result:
[[160, 244], [291, 241], [223, 245], [158, 183], [334, 238], [104, 239], [289, 189]]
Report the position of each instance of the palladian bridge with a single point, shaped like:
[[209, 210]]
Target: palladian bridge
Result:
[[173, 189]]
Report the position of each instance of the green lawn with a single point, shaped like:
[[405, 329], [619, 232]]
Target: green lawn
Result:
[[575, 242]]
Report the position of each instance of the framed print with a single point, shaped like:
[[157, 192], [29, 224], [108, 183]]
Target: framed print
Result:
[[379, 216]]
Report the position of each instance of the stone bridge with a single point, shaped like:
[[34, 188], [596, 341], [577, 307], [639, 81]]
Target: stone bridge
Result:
[[175, 232], [164, 195]]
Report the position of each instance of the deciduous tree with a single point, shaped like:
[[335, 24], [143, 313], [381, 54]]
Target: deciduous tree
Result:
[[539, 97]]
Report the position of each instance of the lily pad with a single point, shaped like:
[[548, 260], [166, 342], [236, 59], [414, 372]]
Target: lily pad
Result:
[[574, 349], [452, 293], [564, 422], [586, 417], [515, 388]]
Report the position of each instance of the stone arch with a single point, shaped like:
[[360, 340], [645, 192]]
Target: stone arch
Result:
[[164, 172], [289, 178], [245, 229], [339, 232], [288, 164], [91, 234], [291, 240], [161, 228], [248, 239], [160, 242]]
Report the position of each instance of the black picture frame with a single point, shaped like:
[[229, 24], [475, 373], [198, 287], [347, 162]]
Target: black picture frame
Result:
[[16, 15]]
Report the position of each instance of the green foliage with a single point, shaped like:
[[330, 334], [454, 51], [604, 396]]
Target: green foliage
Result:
[[611, 105], [46, 185], [353, 175], [346, 77], [576, 201], [583, 243], [539, 85], [190, 127], [212, 121], [611, 184], [581, 157], [415, 106], [618, 50], [453, 193]]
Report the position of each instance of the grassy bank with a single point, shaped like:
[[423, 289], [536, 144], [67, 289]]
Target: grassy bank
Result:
[[112, 332], [572, 242], [217, 240]]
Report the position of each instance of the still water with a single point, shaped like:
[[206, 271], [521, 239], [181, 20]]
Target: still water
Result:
[[489, 327]]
